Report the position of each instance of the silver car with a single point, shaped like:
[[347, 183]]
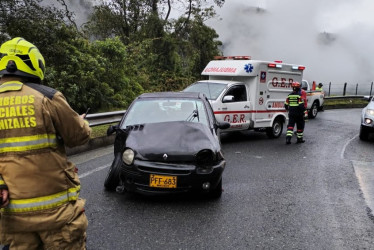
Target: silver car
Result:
[[367, 119]]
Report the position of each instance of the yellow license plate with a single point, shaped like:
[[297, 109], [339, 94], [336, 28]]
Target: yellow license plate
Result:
[[162, 181]]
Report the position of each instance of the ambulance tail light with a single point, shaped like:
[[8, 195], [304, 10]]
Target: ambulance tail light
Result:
[[275, 65], [298, 67]]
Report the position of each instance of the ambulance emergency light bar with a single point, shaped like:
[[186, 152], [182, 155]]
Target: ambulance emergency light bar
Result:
[[232, 58], [276, 65], [298, 67]]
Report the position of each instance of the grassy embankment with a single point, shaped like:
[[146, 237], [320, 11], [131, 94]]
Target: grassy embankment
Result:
[[345, 103], [99, 131]]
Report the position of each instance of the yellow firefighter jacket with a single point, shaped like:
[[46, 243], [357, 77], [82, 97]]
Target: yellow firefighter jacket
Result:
[[35, 124]]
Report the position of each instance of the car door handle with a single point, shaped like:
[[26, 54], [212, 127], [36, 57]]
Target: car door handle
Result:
[[224, 108]]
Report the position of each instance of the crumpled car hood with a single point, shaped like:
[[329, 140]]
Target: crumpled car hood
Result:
[[181, 141]]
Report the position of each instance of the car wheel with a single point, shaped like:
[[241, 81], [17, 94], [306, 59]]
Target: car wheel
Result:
[[275, 130], [313, 110], [113, 177], [364, 133], [217, 192]]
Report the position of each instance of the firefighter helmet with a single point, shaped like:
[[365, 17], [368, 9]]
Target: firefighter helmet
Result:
[[21, 58], [295, 85]]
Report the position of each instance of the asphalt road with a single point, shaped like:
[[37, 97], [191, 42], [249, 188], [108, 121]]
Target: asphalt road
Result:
[[316, 195]]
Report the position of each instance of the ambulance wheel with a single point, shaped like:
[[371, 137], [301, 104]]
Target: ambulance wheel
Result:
[[112, 179], [313, 110], [276, 129]]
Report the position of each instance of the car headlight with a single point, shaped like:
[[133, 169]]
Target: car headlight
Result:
[[370, 112], [205, 158], [128, 156]]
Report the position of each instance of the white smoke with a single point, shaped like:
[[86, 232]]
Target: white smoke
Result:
[[334, 39], [81, 8]]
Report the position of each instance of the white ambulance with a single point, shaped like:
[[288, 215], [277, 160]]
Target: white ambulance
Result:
[[249, 94]]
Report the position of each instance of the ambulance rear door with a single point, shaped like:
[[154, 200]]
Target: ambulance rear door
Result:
[[261, 117], [274, 87]]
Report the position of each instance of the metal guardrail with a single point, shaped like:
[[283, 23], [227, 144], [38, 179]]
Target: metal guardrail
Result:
[[116, 116], [105, 118]]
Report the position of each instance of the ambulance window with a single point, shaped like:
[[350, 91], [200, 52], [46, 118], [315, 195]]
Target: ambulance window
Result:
[[239, 92], [304, 85], [211, 89]]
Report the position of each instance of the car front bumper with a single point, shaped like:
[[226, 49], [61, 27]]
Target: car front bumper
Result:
[[136, 178], [367, 121]]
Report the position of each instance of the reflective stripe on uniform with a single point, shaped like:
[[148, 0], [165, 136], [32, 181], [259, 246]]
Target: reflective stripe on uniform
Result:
[[42, 203], [294, 100], [25, 143], [10, 86]]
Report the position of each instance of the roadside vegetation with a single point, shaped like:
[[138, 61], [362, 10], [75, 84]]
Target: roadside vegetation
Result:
[[125, 48], [100, 131]]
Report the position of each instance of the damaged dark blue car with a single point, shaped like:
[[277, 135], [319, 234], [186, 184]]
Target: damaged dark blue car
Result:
[[168, 143]]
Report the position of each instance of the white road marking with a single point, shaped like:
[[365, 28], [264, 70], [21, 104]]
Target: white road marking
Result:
[[345, 146], [93, 171]]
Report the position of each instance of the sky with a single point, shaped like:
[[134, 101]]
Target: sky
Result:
[[334, 39]]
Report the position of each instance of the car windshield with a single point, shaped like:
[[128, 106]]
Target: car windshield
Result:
[[211, 90], [154, 110]]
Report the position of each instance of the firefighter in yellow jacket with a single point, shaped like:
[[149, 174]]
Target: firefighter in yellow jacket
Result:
[[39, 186]]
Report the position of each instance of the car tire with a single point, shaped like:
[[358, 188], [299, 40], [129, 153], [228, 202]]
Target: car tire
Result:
[[276, 129], [216, 192], [313, 110], [364, 133], [112, 179]]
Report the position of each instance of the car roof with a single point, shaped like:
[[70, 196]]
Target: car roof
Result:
[[192, 95]]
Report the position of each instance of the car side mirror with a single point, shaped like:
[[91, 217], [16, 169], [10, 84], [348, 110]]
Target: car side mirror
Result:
[[223, 125], [228, 98], [111, 130]]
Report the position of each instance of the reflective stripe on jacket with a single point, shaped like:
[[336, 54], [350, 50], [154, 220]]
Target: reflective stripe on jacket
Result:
[[41, 203], [27, 143], [295, 103]]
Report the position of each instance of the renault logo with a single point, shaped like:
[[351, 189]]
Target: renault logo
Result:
[[165, 156]]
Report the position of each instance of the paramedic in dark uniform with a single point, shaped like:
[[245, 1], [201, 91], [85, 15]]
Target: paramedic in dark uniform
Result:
[[295, 106]]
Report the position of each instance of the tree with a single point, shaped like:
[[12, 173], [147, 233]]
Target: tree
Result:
[[126, 48], [198, 43], [117, 18]]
